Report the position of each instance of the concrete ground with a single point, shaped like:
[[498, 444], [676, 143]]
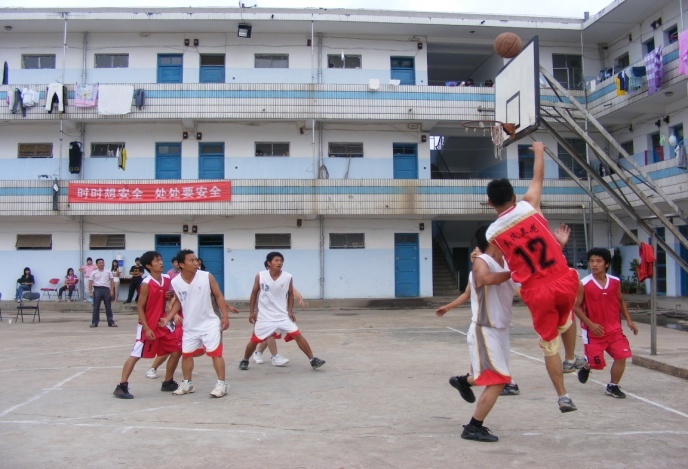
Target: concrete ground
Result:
[[381, 401]]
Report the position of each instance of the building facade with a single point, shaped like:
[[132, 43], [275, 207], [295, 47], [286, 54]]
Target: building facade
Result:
[[334, 136]]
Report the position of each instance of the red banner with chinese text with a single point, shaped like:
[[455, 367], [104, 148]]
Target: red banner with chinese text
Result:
[[149, 192]]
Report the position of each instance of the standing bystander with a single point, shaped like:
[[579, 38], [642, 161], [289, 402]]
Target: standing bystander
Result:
[[101, 287]]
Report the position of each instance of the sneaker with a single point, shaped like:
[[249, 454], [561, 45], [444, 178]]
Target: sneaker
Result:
[[220, 389], [185, 388], [316, 363], [122, 391], [169, 386], [471, 432], [583, 375], [258, 358], [577, 363], [566, 404], [464, 389], [510, 390], [279, 360], [151, 373], [615, 391], [243, 365]]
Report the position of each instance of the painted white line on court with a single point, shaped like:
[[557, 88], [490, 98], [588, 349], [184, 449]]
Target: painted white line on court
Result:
[[42, 393], [63, 352], [635, 396], [648, 432]]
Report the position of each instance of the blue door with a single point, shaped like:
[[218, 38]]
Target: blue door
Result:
[[405, 160], [168, 246], [211, 160], [403, 69], [211, 250], [212, 68], [170, 68], [168, 161], [684, 255], [406, 275]]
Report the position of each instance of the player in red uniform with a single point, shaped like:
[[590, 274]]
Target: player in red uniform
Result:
[[599, 307], [549, 286], [151, 338]]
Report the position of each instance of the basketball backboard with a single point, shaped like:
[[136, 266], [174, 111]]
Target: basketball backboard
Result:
[[517, 92]]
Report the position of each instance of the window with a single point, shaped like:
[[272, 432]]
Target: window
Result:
[[649, 45], [347, 240], [623, 61], [526, 158], [578, 144], [350, 61], [627, 240], [212, 68], [628, 146], [656, 150], [35, 150], [38, 61], [272, 61], [112, 60], [568, 70], [575, 250], [34, 242], [107, 241], [212, 60], [678, 132], [671, 35], [105, 150], [272, 148], [346, 150], [273, 240]]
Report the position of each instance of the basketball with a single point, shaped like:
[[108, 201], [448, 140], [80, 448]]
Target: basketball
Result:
[[507, 45]]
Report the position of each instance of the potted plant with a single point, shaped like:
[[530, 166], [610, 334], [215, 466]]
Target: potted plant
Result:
[[635, 263]]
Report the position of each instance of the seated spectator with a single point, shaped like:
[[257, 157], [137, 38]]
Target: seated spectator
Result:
[[489, 83], [25, 282], [470, 82], [70, 282]]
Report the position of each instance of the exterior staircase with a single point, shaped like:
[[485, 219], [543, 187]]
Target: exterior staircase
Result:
[[443, 281]]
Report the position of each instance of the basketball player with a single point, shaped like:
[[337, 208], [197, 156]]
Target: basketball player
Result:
[[599, 306], [202, 328], [488, 336], [549, 286]]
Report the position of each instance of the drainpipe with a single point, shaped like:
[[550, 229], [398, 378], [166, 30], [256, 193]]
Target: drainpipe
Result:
[[322, 257], [83, 58]]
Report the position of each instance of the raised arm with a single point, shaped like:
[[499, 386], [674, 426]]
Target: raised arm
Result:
[[534, 192]]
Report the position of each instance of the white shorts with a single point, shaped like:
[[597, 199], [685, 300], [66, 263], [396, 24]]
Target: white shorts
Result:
[[264, 329], [488, 348], [194, 341]]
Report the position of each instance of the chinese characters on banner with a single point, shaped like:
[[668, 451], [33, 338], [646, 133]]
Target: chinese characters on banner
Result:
[[150, 192]]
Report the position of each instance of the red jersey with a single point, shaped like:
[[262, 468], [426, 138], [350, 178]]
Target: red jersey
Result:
[[155, 303], [601, 303], [529, 247]]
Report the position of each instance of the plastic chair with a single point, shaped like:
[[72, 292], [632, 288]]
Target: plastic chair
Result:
[[29, 301], [52, 288]]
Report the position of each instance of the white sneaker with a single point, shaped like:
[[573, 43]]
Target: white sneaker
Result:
[[185, 387], [279, 360], [151, 373], [258, 357], [220, 390]]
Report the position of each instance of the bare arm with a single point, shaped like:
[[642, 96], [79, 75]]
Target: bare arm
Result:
[[290, 301], [141, 309], [594, 328], [221, 303], [461, 299], [626, 315], [252, 301], [534, 192], [482, 275], [299, 298]]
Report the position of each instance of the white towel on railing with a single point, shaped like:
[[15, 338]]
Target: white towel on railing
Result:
[[115, 99]]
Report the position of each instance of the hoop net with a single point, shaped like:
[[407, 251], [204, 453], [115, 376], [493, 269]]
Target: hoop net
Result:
[[497, 130]]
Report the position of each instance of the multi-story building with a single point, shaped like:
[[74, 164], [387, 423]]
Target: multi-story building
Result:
[[334, 136]]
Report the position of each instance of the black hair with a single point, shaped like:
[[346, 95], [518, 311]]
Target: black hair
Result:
[[69, 270], [148, 257], [174, 259], [181, 255], [89, 259], [481, 239], [27, 268], [500, 192], [603, 253], [137, 259], [100, 259], [272, 255], [265, 264], [113, 263]]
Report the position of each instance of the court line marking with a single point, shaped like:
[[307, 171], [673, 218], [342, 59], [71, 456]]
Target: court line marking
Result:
[[41, 394], [635, 396], [62, 352]]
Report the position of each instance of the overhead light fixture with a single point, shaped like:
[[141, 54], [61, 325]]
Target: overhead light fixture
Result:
[[244, 30]]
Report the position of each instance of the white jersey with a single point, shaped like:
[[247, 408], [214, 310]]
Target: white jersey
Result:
[[272, 296], [491, 304], [194, 299]]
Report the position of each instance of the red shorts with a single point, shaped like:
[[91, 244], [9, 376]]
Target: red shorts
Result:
[[550, 303], [615, 344], [170, 342]]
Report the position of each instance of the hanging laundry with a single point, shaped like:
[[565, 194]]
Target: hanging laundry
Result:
[[647, 259], [5, 74], [55, 94], [16, 101], [683, 52], [655, 70], [635, 77], [681, 159], [75, 157], [30, 98], [122, 159], [139, 98], [620, 82], [85, 94], [114, 99]]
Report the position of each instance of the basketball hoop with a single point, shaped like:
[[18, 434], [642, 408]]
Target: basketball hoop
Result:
[[497, 130]]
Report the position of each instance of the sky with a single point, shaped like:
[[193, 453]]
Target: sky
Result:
[[557, 8]]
